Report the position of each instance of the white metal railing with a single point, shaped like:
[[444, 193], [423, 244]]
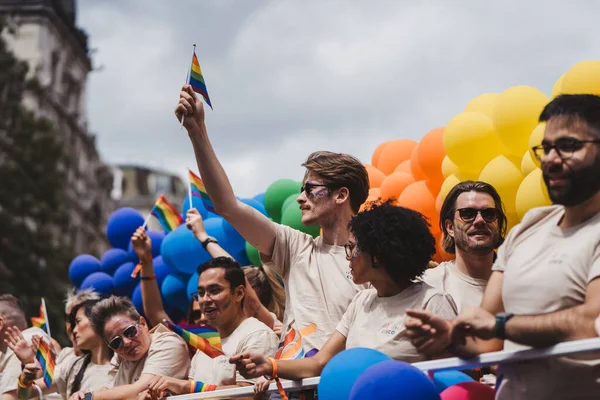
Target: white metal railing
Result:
[[454, 363]]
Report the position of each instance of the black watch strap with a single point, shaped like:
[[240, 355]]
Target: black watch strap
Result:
[[500, 327], [208, 240]]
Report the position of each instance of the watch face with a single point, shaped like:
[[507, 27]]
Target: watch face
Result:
[[88, 396]]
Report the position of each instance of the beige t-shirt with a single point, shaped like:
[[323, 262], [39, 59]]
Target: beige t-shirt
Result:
[[168, 355], [250, 335], [465, 290], [378, 322], [318, 284], [95, 377], [10, 365], [546, 269]]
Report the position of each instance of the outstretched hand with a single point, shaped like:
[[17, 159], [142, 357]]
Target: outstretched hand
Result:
[[142, 244], [194, 222], [24, 351], [251, 365], [428, 332], [190, 108]]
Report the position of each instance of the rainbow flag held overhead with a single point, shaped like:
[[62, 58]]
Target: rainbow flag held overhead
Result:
[[42, 321], [205, 339], [166, 214], [46, 360], [198, 190], [197, 80]]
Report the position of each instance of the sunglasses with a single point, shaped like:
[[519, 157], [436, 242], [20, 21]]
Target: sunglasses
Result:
[[468, 214], [130, 332], [308, 187]]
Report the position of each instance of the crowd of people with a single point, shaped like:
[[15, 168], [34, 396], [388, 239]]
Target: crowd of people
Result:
[[366, 281]]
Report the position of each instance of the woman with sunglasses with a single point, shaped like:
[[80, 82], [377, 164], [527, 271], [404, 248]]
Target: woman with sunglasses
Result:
[[88, 372], [389, 247], [140, 353]]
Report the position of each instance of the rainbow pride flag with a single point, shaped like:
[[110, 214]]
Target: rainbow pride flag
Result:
[[205, 339], [166, 214], [42, 321], [197, 80], [198, 190], [46, 360]]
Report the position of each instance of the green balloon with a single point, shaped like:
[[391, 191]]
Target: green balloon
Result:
[[292, 217], [253, 255], [276, 195], [290, 201]]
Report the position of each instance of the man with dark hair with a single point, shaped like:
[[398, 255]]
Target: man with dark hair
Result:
[[315, 271], [473, 222], [221, 293], [544, 287]]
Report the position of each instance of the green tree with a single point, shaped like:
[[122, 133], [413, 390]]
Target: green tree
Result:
[[34, 206]]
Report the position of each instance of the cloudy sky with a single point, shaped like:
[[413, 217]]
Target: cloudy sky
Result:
[[289, 77]]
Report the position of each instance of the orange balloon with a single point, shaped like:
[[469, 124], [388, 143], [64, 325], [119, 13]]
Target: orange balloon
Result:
[[418, 197], [430, 154], [441, 255], [374, 192], [394, 184], [404, 166], [415, 168], [438, 202], [377, 152], [375, 176], [394, 153]]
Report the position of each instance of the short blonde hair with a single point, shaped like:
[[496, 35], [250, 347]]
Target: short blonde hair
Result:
[[74, 298]]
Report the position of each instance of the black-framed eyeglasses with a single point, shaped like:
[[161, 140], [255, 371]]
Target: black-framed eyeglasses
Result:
[[565, 147], [130, 332], [308, 187], [468, 214], [212, 291], [350, 252]]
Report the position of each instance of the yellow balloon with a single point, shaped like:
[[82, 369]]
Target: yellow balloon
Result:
[[483, 104], [448, 184], [448, 167], [557, 88], [582, 78], [516, 113], [504, 175], [535, 139], [527, 164], [470, 141], [532, 193], [463, 175]]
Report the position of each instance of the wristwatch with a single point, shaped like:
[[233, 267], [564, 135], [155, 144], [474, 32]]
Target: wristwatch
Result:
[[208, 240], [88, 396], [501, 320]]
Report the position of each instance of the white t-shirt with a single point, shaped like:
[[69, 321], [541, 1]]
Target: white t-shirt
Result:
[[95, 377], [546, 269], [465, 290], [378, 322], [168, 355], [318, 284], [250, 335], [10, 366]]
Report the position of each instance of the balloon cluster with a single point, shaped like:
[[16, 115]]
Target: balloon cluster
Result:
[[362, 373]]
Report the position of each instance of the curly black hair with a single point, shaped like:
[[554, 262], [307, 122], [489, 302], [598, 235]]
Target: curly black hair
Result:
[[397, 238]]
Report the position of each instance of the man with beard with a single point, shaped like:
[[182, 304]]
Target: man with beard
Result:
[[544, 288], [473, 222]]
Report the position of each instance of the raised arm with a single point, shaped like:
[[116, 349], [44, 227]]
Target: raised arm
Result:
[[151, 298], [257, 229], [195, 223]]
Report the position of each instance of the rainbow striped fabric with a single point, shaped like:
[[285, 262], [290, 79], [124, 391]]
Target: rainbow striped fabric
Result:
[[198, 190], [197, 80], [46, 360], [41, 321], [205, 339], [166, 214]]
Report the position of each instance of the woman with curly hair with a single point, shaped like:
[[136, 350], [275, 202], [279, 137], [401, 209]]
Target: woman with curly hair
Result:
[[389, 247]]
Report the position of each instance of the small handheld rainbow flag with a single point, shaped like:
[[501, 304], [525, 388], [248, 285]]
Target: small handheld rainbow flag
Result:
[[197, 79], [205, 339], [46, 360], [166, 214], [198, 190], [42, 321]]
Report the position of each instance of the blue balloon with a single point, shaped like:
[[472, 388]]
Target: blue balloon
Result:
[[256, 204], [234, 242], [156, 237], [121, 226], [123, 282], [388, 379], [173, 290], [197, 203], [161, 270], [242, 258], [260, 198], [444, 379], [100, 282], [136, 299], [343, 370], [112, 259], [192, 286], [211, 214], [82, 266], [182, 251]]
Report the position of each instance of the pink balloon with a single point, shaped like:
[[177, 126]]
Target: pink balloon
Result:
[[468, 391]]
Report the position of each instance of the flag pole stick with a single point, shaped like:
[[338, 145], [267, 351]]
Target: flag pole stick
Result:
[[147, 220], [190, 188], [47, 318], [187, 80]]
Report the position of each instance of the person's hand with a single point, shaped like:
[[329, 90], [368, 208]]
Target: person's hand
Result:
[[142, 244], [429, 333], [473, 322], [194, 222], [261, 385], [30, 373], [191, 108], [24, 351], [161, 385], [252, 365], [80, 395]]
